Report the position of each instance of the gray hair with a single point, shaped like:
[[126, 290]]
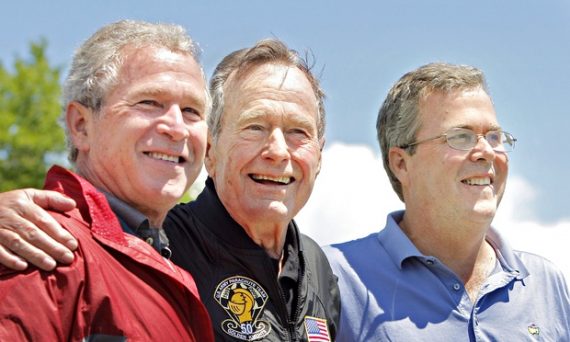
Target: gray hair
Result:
[[263, 52], [97, 62], [398, 119]]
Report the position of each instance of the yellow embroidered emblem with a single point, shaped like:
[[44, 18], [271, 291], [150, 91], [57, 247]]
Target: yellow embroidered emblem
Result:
[[243, 300]]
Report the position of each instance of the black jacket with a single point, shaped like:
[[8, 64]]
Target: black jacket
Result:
[[237, 280]]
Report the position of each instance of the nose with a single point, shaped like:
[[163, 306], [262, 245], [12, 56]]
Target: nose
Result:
[[277, 148], [172, 124], [483, 150]]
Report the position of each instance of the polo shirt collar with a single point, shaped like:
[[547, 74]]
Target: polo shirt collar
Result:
[[399, 247], [397, 244], [505, 254]]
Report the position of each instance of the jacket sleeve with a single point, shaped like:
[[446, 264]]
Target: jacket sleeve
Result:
[[37, 305]]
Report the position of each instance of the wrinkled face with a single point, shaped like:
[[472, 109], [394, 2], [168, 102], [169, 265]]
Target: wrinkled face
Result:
[[147, 144], [267, 155], [452, 182]]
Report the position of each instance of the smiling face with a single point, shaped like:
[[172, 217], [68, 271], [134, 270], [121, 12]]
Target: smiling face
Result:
[[448, 182], [147, 144], [267, 155]]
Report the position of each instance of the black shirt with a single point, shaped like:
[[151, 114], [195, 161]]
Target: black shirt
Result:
[[238, 281]]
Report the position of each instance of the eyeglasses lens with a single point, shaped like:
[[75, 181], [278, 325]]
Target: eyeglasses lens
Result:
[[465, 139]]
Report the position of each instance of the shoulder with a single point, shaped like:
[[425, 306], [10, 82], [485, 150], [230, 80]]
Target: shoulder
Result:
[[35, 301], [309, 244], [344, 251], [313, 252], [180, 220], [63, 278], [316, 262], [539, 266], [544, 277], [179, 212]]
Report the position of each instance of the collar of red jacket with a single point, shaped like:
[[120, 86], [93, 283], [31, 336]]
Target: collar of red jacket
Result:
[[91, 203]]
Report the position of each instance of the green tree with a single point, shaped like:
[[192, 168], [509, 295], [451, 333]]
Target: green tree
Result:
[[29, 108]]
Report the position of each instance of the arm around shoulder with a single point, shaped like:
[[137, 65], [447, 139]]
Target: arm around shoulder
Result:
[[28, 232]]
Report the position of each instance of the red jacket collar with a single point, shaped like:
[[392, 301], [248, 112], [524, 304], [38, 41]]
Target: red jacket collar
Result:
[[92, 204]]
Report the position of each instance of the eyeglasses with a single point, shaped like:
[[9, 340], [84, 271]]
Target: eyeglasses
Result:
[[464, 139]]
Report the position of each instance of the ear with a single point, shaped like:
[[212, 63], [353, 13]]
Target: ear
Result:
[[322, 143], [78, 119], [210, 158], [399, 160]]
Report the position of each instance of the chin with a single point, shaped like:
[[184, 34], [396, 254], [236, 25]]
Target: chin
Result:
[[280, 207], [487, 209], [165, 195], [275, 211], [175, 194]]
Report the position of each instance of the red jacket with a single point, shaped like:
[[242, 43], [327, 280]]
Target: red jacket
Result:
[[117, 286]]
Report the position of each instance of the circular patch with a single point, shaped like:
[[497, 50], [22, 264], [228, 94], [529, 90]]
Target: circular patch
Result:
[[243, 299]]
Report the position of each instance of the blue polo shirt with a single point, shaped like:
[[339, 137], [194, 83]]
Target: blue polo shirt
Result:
[[392, 292]]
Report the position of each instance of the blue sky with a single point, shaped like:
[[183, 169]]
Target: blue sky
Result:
[[361, 48]]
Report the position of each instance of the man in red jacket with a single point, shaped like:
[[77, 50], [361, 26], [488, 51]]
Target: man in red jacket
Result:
[[135, 107]]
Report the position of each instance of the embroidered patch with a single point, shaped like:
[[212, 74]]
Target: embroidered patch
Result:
[[243, 300], [317, 329], [534, 330]]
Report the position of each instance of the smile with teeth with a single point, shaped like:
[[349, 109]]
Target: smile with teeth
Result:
[[268, 179], [477, 181], [165, 157]]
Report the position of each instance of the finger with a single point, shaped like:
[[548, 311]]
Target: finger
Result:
[[23, 238], [39, 217], [51, 199], [12, 261], [17, 248]]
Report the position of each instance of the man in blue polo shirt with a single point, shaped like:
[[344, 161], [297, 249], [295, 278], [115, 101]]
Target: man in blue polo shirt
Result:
[[438, 271]]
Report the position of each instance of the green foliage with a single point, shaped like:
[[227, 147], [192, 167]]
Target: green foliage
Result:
[[29, 108], [187, 197]]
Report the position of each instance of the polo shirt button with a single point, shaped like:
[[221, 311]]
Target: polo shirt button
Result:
[[456, 286], [430, 262], [149, 241]]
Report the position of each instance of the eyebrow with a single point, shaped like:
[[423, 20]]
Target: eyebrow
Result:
[[470, 127], [251, 114], [191, 96], [254, 114]]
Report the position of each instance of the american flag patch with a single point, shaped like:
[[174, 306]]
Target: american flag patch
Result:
[[317, 329]]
